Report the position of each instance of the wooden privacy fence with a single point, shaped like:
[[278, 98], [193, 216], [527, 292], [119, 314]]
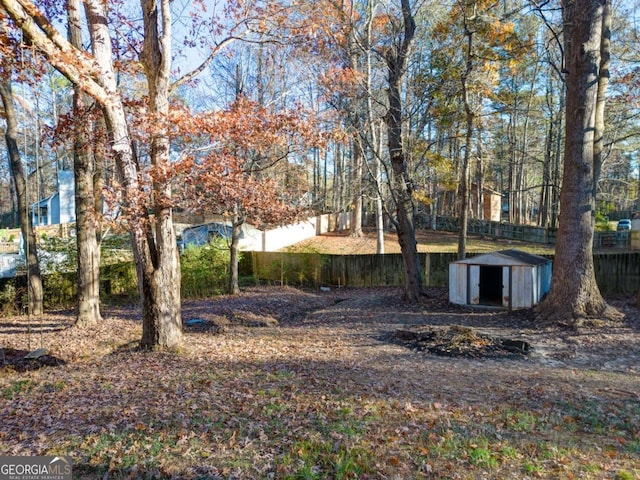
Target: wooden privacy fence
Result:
[[528, 233], [615, 272], [525, 233], [315, 269]]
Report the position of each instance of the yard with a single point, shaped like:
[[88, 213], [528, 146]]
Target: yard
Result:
[[285, 383], [429, 241]]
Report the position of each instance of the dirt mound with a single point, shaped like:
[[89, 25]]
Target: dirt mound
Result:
[[459, 341]]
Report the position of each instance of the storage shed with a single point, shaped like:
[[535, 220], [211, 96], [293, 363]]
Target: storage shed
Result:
[[508, 278]]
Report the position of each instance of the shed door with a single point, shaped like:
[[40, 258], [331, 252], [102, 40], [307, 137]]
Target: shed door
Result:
[[506, 287], [491, 284], [473, 287]]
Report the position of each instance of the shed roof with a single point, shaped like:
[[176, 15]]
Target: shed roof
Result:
[[505, 257]]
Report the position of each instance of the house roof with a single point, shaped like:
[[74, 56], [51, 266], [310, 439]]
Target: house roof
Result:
[[45, 201], [505, 257]]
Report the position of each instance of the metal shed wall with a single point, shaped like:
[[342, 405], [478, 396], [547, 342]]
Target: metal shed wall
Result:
[[458, 283], [523, 286]]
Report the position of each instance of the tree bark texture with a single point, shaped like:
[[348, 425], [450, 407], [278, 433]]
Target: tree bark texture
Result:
[[574, 294], [164, 275], [34, 279], [156, 256], [87, 229], [236, 224], [357, 202], [464, 170], [374, 137], [603, 85], [401, 187], [357, 115]]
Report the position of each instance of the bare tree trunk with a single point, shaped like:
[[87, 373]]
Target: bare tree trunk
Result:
[[375, 137], [464, 187], [358, 154], [356, 182], [479, 177], [164, 281], [464, 170], [513, 187], [543, 213], [638, 190], [234, 257], [524, 216], [338, 178], [156, 256], [557, 167], [99, 162], [34, 279], [401, 186], [603, 84], [88, 268], [574, 294], [379, 204]]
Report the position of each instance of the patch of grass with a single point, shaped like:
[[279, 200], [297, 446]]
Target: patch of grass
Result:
[[447, 445], [130, 450], [520, 421], [509, 452], [56, 386], [306, 438], [306, 472], [624, 475], [16, 388], [533, 468], [310, 459], [352, 463], [592, 468], [632, 447], [614, 418], [342, 422], [481, 455], [274, 408]]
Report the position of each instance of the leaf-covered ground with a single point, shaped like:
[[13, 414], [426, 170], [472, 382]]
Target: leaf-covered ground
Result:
[[290, 384], [429, 241]]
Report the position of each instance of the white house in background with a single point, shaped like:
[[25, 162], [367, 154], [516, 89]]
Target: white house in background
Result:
[[59, 207]]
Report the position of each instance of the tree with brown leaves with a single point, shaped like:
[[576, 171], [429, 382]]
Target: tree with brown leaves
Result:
[[233, 179]]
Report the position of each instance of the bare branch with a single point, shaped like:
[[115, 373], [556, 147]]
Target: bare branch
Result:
[[194, 73]]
